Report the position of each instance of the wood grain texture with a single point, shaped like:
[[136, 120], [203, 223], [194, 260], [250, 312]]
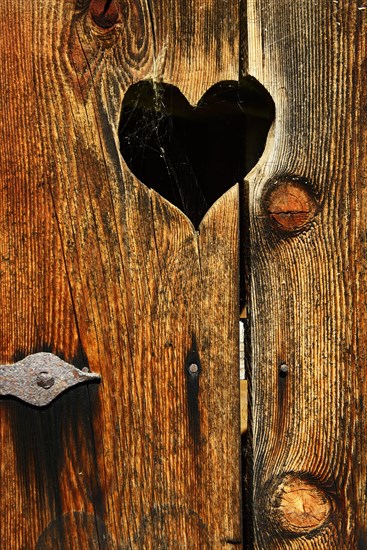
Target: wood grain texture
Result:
[[309, 282], [105, 273]]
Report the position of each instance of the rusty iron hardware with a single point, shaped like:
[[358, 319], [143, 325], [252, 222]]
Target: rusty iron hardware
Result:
[[40, 378]]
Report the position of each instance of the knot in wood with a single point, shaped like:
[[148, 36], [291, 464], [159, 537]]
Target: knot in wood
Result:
[[299, 506], [104, 13], [290, 205]]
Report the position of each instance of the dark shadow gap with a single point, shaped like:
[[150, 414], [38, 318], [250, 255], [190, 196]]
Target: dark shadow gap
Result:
[[245, 309], [193, 155]]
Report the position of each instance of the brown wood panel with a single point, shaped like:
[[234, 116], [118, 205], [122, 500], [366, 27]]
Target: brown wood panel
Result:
[[105, 273], [205, 48], [308, 228]]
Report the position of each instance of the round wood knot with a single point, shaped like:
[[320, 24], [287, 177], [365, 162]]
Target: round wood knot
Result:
[[104, 13], [290, 204], [299, 505]]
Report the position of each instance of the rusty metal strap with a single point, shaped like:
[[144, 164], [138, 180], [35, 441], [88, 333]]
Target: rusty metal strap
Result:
[[40, 378]]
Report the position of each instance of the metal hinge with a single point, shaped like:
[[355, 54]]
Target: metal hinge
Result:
[[40, 378]]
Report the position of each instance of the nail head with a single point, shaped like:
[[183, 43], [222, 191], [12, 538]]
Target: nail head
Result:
[[193, 368], [45, 381]]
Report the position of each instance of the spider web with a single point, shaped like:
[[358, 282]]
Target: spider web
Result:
[[191, 156]]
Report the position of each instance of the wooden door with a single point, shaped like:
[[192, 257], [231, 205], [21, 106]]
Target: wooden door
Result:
[[107, 275]]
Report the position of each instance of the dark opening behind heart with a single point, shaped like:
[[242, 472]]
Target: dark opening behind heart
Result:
[[192, 155]]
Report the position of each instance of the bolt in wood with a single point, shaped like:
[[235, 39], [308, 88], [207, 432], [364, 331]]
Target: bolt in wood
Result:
[[44, 380], [284, 369], [193, 368]]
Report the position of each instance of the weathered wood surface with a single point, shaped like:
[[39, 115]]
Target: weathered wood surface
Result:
[[309, 276], [103, 272]]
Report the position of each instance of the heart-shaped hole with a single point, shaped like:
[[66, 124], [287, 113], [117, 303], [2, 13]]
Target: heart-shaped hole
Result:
[[192, 155]]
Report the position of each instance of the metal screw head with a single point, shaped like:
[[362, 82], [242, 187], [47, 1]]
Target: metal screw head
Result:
[[284, 368], [45, 381], [193, 368]]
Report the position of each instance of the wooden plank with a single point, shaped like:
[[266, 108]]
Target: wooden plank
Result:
[[308, 226], [105, 273], [205, 48]]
